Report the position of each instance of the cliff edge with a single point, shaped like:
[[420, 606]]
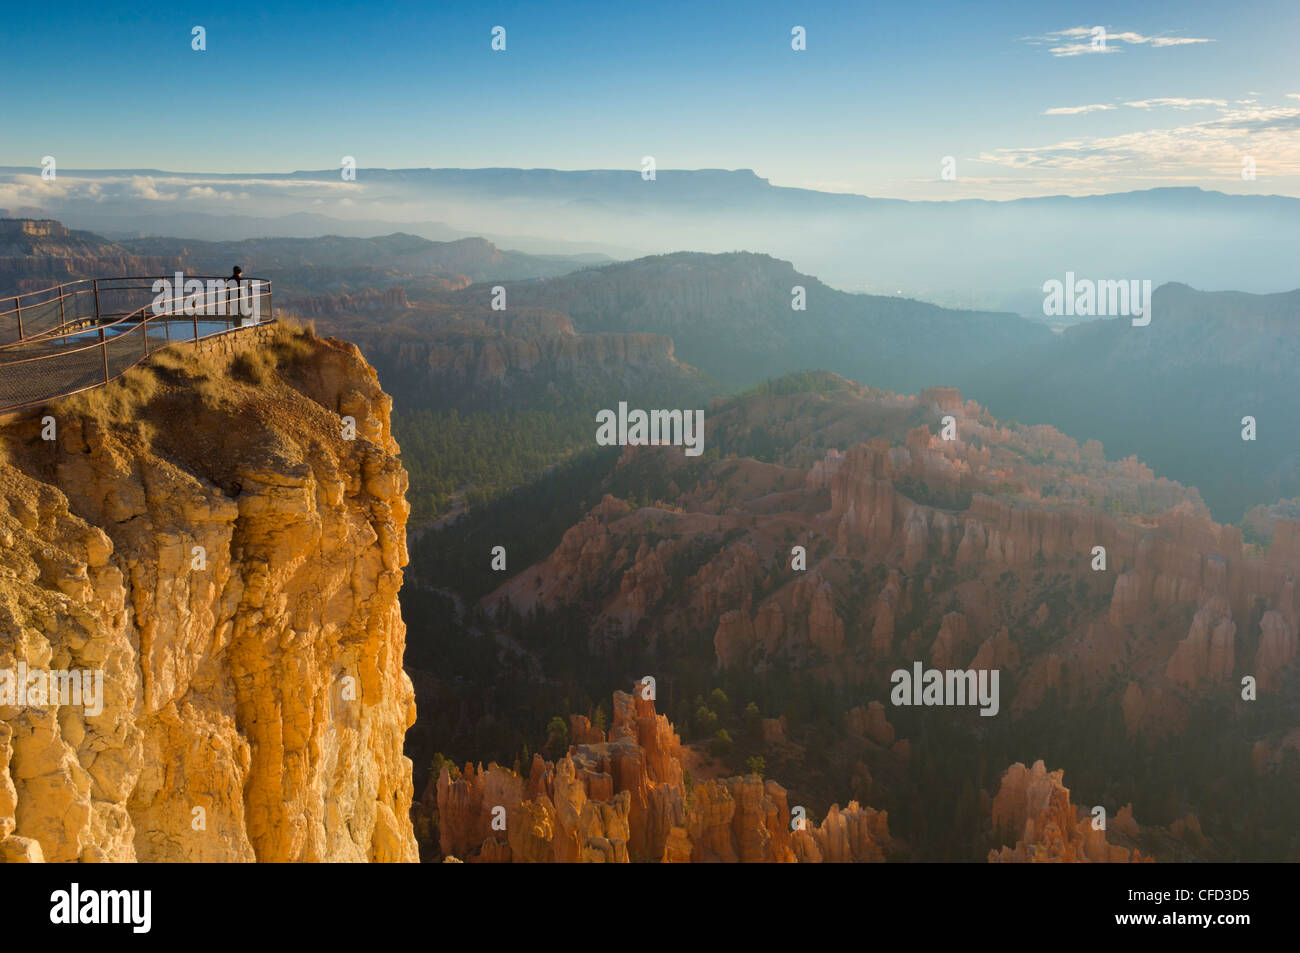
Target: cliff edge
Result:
[[211, 542]]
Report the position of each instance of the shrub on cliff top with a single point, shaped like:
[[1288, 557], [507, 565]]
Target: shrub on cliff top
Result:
[[291, 343], [118, 400], [291, 339], [253, 367]]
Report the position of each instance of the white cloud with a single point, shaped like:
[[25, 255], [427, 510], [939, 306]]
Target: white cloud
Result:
[[1175, 103], [1213, 146], [145, 187], [208, 192], [1078, 49], [1158, 42], [23, 189], [1171, 102], [258, 193], [1075, 110], [1078, 40]]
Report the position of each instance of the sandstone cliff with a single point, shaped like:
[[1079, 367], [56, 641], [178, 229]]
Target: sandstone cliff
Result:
[[229, 560], [38, 253]]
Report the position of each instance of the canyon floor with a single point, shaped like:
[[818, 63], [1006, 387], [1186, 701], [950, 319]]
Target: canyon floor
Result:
[[830, 536]]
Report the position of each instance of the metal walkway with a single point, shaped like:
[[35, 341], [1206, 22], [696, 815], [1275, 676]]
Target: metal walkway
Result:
[[63, 340]]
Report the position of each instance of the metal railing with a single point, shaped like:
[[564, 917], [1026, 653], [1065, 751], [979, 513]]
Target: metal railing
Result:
[[64, 340]]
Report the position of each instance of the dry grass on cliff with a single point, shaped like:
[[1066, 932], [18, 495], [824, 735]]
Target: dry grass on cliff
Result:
[[291, 343], [120, 400], [199, 410], [182, 366], [296, 324]]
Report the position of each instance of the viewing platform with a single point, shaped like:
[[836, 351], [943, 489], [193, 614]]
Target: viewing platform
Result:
[[83, 334]]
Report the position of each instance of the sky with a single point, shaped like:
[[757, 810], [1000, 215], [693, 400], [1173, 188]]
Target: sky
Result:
[[1017, 94]]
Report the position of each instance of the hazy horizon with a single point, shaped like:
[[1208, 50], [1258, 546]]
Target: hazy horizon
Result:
[[979, 254]]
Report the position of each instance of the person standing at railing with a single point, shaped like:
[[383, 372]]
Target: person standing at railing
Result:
[[236, 282]]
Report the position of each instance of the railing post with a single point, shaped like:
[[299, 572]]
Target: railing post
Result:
[[144, 327], [19, 299], [103, 346], [96, 286]]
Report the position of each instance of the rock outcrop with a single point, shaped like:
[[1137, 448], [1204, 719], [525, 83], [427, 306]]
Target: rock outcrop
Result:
[[626, 799], [36, 254], [1032, 810], [855, 835], [228, 562]]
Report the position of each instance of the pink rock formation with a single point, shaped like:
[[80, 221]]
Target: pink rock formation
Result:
[[625, 798], [854, 835], [1207, 654], [1032, 809]]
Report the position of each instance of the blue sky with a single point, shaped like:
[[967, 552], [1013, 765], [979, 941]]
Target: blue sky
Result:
[[1183, 92]]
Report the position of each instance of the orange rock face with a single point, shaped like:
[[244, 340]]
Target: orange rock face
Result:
[[1032, 809], [581, 731], [625, 799], [854, 835], [228, 563]]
